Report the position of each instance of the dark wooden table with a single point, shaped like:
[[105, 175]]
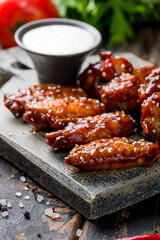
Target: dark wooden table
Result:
[[141, 218]]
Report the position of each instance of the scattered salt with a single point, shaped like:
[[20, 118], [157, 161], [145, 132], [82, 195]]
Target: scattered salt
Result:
[[21, 205], [9, 205], [18, 194], [40, 198], [3, 202], [23, 179], [79, 232], [27, 197], [55, 215], [48, 212], [5, 214], [26, 188]]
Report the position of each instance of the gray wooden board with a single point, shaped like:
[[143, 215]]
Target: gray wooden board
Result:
[[93, 194]]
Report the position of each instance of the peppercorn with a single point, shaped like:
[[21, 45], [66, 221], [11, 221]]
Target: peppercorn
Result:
[[27, 215]]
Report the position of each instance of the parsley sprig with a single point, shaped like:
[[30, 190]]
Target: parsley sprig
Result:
[[115, 18]]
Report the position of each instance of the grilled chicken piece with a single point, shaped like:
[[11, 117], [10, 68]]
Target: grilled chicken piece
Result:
[[121, 93], [107, 125], [143, 72], [105, 70], [16, 102], [152, 85], [150, 116], [113, 153], [43, 114]]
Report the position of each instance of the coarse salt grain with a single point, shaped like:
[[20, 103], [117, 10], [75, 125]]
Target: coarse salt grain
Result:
[[3, 202], [48, 212], [23, 179], [18, 194], [79, 232], [26, 188], [21, 205], [27, 197], [40, 198], [5, 214], [9, 205], [55, 215]]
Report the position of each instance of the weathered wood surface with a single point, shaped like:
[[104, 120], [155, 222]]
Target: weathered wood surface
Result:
[[16, 226], [141, 218], [138, 219], [96, 193]]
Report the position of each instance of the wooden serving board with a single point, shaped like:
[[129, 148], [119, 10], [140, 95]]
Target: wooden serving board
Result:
[[93, 194]]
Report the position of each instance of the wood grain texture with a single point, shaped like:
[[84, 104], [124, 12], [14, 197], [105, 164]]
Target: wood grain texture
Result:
[[138, 219], [93, 194], [17, 227], [141, 218]]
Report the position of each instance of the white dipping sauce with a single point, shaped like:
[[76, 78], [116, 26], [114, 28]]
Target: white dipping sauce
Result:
[[57, 40]]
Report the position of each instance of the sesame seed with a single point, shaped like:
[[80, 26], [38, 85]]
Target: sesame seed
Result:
[[89, 71], [104, 74], [59, 137]]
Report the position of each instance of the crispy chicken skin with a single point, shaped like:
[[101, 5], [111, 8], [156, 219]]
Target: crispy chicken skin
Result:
[[105, 70], [113, 153], [107, 125], [16, 102], [143, 72], [43, 114], [150, 116], [152, 85], [121, 93]]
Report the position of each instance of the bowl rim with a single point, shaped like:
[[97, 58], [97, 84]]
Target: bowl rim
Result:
[[58, 21]]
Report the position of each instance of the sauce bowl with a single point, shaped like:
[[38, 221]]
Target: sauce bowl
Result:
[[61, 69]]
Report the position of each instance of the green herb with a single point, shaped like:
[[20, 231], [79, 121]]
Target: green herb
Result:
[[115, 18]]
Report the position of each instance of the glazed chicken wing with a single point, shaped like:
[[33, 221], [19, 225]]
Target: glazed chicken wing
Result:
[[43, 114], [89, 79], [113, 153], [16, 102], [105, 70], [150, 116], [152, 85], [107, 125], [121, 93], [143, 72]]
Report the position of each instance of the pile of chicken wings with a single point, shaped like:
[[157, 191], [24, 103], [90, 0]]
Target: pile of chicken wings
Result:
[[94, 119]]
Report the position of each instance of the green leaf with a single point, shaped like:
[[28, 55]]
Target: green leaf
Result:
[[120, 28]]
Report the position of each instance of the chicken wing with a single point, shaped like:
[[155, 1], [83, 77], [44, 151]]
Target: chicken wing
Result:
[[152, 85], [107, 125], [16, 102], [113, 153], [43, 114], [150, 116], [105, 70], [143, 72], [121, 93]]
